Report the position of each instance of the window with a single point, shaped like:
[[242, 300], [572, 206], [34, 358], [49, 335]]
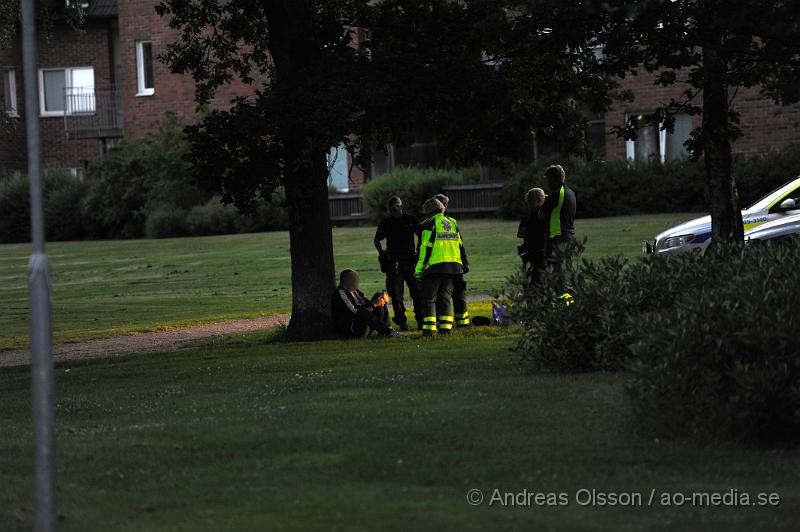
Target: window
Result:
[[144, 69], [652, 141], [10, 91], [66, 91]]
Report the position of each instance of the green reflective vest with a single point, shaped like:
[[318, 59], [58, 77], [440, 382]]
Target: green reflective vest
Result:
[[440, 243], [555, 215]]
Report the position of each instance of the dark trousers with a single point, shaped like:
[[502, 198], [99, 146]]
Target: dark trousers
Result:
[[436, 299], [366, 321], [460, 301], [403, 274]]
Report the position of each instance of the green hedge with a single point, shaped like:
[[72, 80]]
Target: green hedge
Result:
[[710, 341], [65, 217], [412, 185], [619, 188]]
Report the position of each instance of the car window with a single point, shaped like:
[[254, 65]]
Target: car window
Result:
[[776, 196]]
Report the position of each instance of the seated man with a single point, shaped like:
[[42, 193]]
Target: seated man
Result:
[[354, 316]]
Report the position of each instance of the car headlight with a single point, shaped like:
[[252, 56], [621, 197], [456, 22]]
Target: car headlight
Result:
[[674, 242]]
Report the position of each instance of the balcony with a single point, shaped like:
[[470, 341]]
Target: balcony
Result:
[[92, 114]]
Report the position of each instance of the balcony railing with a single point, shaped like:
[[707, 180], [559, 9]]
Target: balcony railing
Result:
[[92, 113]]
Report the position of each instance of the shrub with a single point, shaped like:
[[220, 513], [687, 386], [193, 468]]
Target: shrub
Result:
[[64, 215], [722, 361], [166, 221], [615, 188], [412, 185], [140, 176], [711, 341], [63, 208], [15, 220], [618, 188], [212, 218]]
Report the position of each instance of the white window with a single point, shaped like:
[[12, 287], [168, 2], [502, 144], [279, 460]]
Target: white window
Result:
[[66, 91], [10, 91], [654, 142], [144, 69]]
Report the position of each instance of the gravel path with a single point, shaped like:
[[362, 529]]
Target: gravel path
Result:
[[170, 340]]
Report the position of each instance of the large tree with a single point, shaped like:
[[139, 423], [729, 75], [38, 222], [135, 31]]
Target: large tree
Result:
[[481, 76], [715, 47]]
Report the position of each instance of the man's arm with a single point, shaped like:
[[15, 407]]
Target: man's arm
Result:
[[425, 249], [379, 235]]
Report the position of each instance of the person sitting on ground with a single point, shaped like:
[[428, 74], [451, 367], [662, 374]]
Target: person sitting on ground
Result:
[[354, 316], [533, 230]]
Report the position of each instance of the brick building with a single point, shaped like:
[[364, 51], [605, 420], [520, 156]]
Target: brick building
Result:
[[104, 82], [765, 126]]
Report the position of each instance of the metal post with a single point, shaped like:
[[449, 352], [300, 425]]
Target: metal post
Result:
[[43, 412]]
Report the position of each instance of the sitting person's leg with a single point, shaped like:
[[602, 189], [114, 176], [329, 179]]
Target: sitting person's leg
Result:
[[377, 320]]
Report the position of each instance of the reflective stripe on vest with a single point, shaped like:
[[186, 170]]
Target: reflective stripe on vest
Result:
[[555, 216]]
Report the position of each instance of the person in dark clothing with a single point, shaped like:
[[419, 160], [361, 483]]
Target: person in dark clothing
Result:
[[559, 208], [532, 229], [399, 258], [354, 316]]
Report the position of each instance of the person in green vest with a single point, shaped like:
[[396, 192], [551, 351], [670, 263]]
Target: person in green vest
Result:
[[459, 284], [441, 259], [559, 209]]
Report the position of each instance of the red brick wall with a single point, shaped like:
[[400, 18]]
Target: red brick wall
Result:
[[173, 93], [61, 47], [765, 126]]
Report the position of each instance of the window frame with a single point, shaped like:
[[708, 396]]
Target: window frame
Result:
[[43, 112], [141, 90], [10, 74]]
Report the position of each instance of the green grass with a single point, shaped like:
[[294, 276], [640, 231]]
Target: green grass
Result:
[[251, 434], [111, 288]]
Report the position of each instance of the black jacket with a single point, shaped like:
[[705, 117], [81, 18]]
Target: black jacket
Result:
[[344, 306], [567, 211]]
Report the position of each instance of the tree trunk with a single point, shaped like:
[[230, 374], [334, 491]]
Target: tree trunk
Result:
[[726, 215], [294, 51], [311, 246]]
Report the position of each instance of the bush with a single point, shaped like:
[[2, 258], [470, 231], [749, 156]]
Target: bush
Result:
[[412, 185], [721, 362], [710, 340], [166, 222], [63, 195], [619, 188], [615, 188], [212, 218], [15, 217], [65, 217], [139, 177]]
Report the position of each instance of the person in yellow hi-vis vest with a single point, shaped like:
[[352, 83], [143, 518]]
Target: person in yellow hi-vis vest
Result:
[[459, 284], [441, 258], [559, 208]]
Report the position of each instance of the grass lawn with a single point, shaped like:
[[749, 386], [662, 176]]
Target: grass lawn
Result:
[[109, 288], [252, 434]]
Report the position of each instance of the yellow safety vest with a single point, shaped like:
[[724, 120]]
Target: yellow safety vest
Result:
[[555, 215], [441, 242]]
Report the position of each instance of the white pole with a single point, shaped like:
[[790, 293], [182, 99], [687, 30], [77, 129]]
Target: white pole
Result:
[[43, 412]]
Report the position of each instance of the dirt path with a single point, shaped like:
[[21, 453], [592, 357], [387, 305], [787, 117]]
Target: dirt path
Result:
[[171, 340], [146, 342]]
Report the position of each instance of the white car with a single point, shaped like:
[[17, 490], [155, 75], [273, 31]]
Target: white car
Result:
[[775, 230], [695, 235]]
